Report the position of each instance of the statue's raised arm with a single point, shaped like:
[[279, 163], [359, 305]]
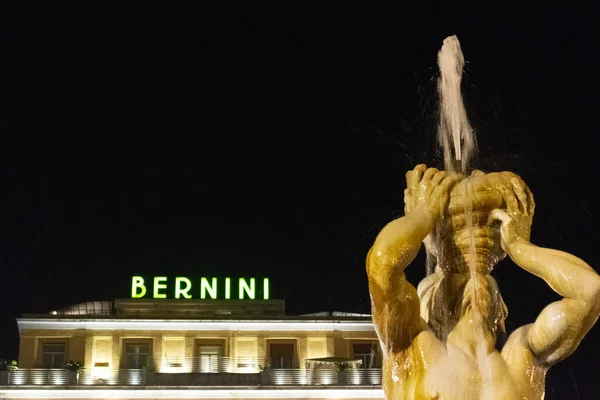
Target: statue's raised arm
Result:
[[561, 326], [395, 303]]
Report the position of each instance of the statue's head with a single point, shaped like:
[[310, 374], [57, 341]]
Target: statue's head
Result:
[[450, 242]]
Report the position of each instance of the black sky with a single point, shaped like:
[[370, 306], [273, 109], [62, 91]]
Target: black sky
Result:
[[271, 139]]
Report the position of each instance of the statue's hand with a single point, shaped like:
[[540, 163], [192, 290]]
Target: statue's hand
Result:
[[429, 189], [517, 198], [512, 230], [508, 231]]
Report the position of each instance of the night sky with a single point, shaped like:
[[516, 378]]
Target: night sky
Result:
[[272, 139]]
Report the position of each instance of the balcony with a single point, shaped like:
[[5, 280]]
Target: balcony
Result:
[[143, 377]]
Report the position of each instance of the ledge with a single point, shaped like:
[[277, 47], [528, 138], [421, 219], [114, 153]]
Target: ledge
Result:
[[186, 392], [197, 325]]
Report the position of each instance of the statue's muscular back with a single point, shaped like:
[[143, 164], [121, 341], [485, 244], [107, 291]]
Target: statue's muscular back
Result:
[[419, 366], [429, 369]]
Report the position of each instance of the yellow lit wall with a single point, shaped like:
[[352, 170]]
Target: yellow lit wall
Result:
[[173, 355], [27, 351], [102, 360], [316, 348], [245, 354]]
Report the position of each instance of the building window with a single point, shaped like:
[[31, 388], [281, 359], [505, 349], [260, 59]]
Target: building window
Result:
[[209, 357], [282, 355], [367, 352], [136, 355], [53, 355]]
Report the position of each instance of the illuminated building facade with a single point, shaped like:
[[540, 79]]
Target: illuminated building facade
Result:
[[194, 348]]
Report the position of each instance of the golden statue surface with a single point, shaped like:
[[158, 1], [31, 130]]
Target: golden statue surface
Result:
[[439, 340]]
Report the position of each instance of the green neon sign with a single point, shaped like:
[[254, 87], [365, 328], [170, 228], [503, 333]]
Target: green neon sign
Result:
[[204, 288]]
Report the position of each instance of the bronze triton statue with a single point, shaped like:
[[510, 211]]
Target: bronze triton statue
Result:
[[439, 341]]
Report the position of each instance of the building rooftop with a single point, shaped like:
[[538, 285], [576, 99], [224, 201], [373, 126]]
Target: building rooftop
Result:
[[188, 309]]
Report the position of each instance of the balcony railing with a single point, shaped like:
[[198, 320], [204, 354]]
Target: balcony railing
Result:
[[207, 364], [39, 376], [121, 377], [143, 377], [363, 376], [324, 377]]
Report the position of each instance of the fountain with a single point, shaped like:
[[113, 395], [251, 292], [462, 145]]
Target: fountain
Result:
[[439, 341]]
